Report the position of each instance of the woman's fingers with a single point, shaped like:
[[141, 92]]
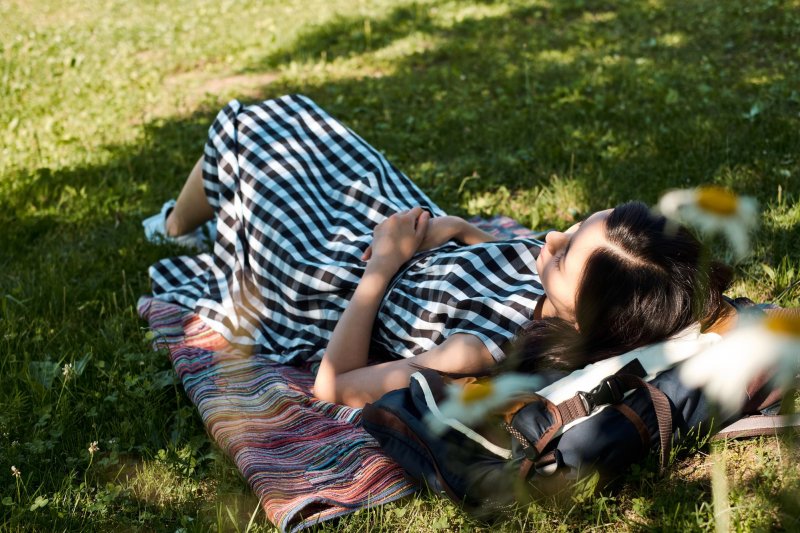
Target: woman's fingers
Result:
[[412, 214], [422, 226], [399, 235]]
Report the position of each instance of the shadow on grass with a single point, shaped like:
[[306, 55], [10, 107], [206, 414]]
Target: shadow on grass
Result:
[[621, 99], [625, 100], [344, 36]]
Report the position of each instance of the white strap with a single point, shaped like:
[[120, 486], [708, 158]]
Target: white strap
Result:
[[436, 419], [655, 358]]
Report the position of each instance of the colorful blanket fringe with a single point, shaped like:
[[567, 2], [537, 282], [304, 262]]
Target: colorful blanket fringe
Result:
[[307, 461]]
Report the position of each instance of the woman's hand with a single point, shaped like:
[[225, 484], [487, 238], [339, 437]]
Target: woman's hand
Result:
[[394, 241], [397, 239], [441, 230]]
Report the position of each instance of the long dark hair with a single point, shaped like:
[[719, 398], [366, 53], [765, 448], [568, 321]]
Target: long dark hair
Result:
[[655, 281]]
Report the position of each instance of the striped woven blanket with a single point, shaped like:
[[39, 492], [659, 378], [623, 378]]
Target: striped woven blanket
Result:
[[306, 460]]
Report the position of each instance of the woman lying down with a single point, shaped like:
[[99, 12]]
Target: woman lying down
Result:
[[323, 251]]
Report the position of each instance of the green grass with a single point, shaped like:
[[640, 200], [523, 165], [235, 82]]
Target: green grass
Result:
[[543, 110]]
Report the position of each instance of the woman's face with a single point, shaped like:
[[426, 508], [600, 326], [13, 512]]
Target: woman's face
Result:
[[562, 259]]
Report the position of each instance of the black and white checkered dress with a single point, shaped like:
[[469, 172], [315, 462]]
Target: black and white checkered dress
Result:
[[297, 196]]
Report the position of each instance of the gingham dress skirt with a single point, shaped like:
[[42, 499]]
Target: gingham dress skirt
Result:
[[297, 195]]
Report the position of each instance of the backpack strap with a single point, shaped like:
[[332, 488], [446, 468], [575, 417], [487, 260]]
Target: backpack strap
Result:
[[534, 450], [634, 418], [610, 391], [663, 410]]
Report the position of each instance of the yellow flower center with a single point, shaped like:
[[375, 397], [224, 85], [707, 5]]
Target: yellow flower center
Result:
[[785, 323], [717, 200], [475, 392]]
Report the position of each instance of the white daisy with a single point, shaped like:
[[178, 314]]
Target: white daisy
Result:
[[757, 345], [713, 210], [472, 403]]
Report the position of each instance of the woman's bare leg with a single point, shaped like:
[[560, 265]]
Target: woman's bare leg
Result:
[[191, 208]]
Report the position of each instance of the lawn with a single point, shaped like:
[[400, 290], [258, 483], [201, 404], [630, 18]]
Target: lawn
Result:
[[542, 110]]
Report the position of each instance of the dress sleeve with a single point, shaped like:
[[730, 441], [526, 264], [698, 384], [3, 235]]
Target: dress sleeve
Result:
[[495, 328], [488, 290]]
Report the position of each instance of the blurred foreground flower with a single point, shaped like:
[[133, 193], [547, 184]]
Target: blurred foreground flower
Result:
[[473, 403], [714, 210], [757, 345]]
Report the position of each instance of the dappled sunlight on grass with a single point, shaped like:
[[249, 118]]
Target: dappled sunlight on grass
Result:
[[599, 17], [757, 474], [545, 111], [558, 57], [563, 199], [672, 40], [162, 487], [158, 485], [764, 79], [450, 14], [405, 47]]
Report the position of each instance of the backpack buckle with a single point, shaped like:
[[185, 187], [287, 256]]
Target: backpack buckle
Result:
[[607, 392]]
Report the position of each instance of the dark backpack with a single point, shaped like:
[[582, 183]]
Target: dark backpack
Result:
[[536, 447]]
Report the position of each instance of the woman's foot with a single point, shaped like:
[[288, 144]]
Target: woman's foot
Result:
[[156, 230]]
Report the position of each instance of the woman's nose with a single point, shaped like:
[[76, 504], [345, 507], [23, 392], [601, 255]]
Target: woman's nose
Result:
[[555, 240]]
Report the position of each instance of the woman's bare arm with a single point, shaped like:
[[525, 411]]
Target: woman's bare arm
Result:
[[394, 241], [343, 375], [470, 234], [460, 353]]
